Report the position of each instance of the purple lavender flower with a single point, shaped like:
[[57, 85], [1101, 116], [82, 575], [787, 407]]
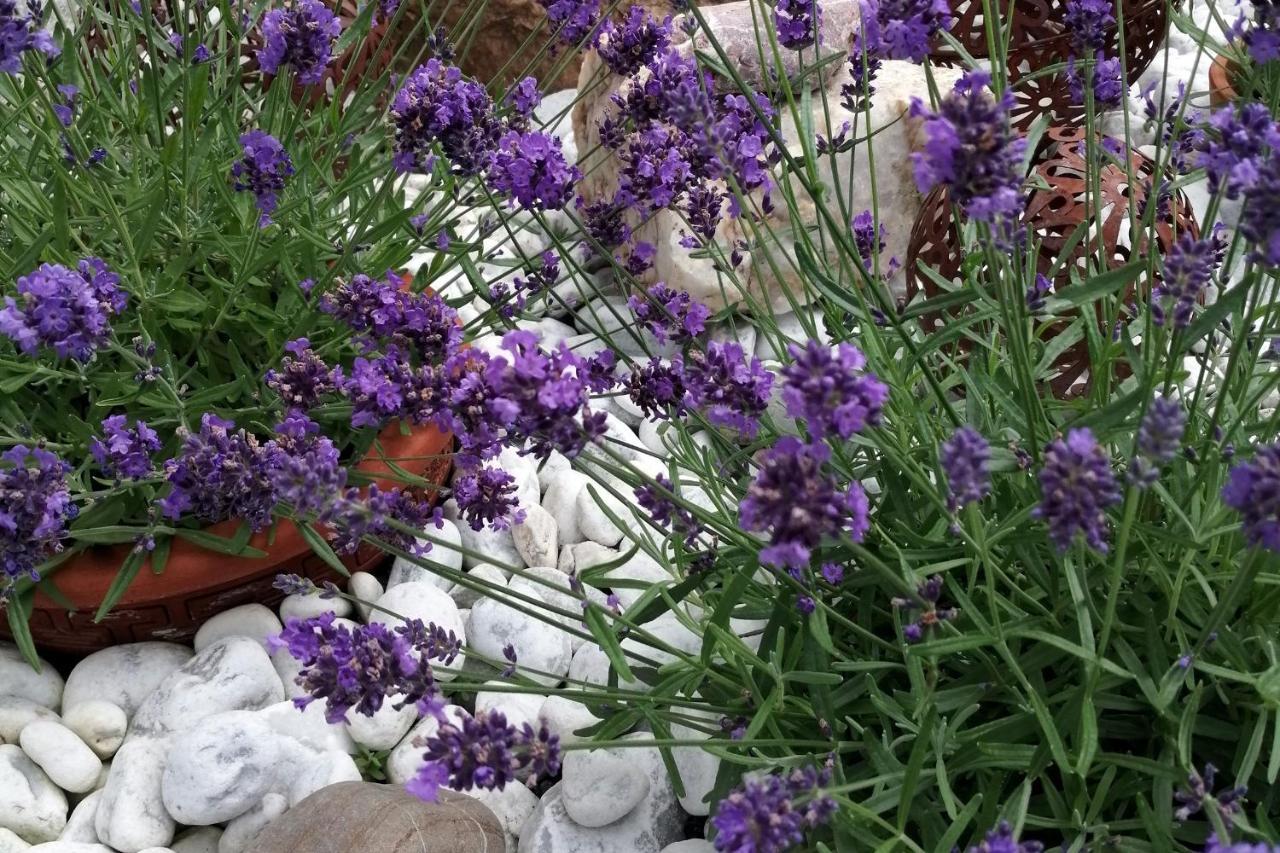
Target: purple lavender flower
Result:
[[1253, 490], [374, 516], [1263, 38], [972, 151], [657, 498], [302, 37], [360, 668], [1077, 485], [1159, 440], [930, 615], [1089, 24], [1189, 266], [35, 506], [524, 97], [632, 45], [66, 110], [21, 32], [900, 29], [762, 814], [671, 315], [1199, 795], [67, 310], [867, 239], [437, 109], [124, 452], [965, 458], [658, 388], [827, 387], [303, 378], [1002, 839], [798, 22], [1235, 145], [309, 476], [832, 573], [732, 391], [796, 499], [1212, 845], [488, 497], [529, 166], [1037, 294], [1105, 75], [575, 22], [200, 55], [383, 308], [220, 474], [1260, 221], [387, 386], [262, 171], [484, 752]]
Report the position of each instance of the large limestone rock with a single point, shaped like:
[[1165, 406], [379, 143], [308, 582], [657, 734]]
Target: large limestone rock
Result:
[[769, 279], [381, 819]]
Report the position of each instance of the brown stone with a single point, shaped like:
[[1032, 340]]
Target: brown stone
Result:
[[372, 818]]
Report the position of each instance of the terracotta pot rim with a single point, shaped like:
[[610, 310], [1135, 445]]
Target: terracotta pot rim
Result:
[[1222, 73]]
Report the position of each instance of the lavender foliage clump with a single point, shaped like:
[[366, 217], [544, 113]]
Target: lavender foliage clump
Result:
[[35, 507], [796, 499], [262, 170], [1077, 486], [67, 311], [124, 452], [300, 37]]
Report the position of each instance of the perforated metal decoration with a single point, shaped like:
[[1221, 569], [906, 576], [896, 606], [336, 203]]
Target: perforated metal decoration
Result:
[[1038, 39], [1055, 213]]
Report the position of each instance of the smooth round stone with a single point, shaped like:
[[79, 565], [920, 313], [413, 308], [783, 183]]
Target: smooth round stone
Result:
[[31, 805], [234, 674], [407, 758], [563, 717], [11, 843], [312, 605], [537, 538], [203, 839], [593, 521], [367, 589], [69, 847], [561, 501], [383, 818], [100, 724], [385, 727], [19, 679], [692, 845], [123, 675], [511, 805], [62, 755], [241, 832], [16, 712], [131, 815], [220, 768], [601, 785], [420, 600], [321, 771], [255, 621], [80, 825], [518, 708], [542, 650], [698, 770], [308, 726], [443, 551], [550, 468], [465, 597], [489, 546], [590, 665]]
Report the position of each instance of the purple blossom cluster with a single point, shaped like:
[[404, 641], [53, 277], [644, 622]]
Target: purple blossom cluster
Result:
[[486, 752], [929, 614], [303, 378], [68, 311], [1077, 486], [529, 166], [523, 98], [262, 170], [360, 668], [1263, 37], [973, 152], [35, 506], [20, 31], [1089, 23], [300, 37], [899, 29], [670, 315], [658, 388], [966, 460], [658, 499], [1199, 795], [221, 472], [1253, 490], [1003, 839], [1159, 440], [487, 496], [1104, 76], [770, 813], [575, 22], [309, 474], [828, 388], [387, 311], [1188, 267], [124, 452], [730, 389], [1239, 154], [378, 514], [796, 499], [798, 23], [1212, 845], [630, 46], [437, 108], [1038, 293]]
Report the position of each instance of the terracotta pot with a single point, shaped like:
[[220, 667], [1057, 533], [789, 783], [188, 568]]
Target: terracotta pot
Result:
[[1053, 214], [1222, 74], [197, 583], [1038, 39]]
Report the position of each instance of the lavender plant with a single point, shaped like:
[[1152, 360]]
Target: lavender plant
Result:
[[906, 590]]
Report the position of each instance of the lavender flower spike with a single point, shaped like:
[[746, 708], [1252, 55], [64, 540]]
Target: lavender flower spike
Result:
[[965, 457], [1077, 485], [68, 311], [301, 37], [1253, 490], [35, 506], [262, 171]]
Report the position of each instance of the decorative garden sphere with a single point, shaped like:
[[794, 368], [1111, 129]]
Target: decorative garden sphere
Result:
[[1055, 213]]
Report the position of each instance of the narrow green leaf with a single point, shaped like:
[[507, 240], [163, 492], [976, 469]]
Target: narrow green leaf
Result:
[[120, 584], [322, 548], [216, 543], [18, 610]]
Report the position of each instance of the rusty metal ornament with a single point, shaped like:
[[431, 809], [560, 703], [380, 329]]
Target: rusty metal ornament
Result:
[[1038, 39], [1055, 211]]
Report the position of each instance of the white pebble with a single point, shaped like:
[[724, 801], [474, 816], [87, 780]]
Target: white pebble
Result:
[[561, 500], [443, 552], [312, 605], [100, 724], [61, 754], [80, 825], [518, 708], [255, 621], [484, 573], [203, 839], [31, 806], [19, 679], [16, 712], [601, 786], [385, 728], [542, 650], [124, 675], [537, 538], [218, 769], [241, 832], [367, 589]]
